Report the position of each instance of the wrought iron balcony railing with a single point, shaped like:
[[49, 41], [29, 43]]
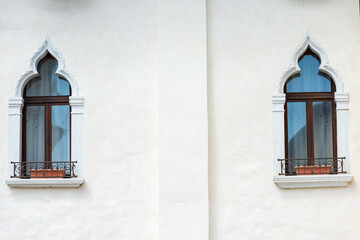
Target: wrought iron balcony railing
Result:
[[44, 169], [312, 166]]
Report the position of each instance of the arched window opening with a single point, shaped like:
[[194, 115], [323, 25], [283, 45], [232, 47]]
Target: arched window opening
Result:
[[310, 79], [310, 120], [47, 83], [46, 123]]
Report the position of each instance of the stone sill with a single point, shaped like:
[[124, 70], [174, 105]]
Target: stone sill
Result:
[[45, 183], [313, 181]]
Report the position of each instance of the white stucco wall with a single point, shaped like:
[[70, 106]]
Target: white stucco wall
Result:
[[110, 49], [183, 129], [177, 130], [250, 44]]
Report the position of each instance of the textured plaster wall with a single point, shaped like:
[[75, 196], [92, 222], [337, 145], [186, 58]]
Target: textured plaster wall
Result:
[[141, 68], [183, 139], [250, 43], [110, 49]]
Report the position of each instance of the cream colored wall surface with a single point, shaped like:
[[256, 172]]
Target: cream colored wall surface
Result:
[[183, 139], [110, 49], [119, 53], [250, 44]]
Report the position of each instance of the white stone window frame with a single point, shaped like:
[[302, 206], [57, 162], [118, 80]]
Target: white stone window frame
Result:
[[342, 115], [16, 104]]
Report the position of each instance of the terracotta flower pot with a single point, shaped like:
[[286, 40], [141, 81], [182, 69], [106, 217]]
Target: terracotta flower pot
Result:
[[47, 173], [310, 170]]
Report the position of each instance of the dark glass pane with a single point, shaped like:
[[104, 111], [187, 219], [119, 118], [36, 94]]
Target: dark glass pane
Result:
[[35, 134], [48, 83], [60, 133], [310, 79], [296, 124], [323, 144]]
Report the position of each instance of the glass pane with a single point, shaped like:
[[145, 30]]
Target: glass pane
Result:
[[60, 129], [323, 144], [48, 83], [297, 137], [310, 79], [35, 133]]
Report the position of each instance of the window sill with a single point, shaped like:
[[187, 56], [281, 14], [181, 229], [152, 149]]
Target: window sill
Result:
[[314, 181], [45, 183]]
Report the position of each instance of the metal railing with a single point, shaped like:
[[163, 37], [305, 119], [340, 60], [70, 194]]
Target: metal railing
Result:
[[44, 169], [312, 166]]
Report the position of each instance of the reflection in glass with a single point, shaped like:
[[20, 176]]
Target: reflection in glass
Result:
[[35, 133], [60, 133], [323, 144], [310, 79], [48, 83], [297, 137]]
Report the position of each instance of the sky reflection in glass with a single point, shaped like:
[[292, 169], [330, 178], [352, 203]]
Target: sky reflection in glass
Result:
[[48, 83], [310, 79]]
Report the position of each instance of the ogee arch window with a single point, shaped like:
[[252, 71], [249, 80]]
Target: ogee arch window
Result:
[[310, 119], [45, 125], [46, 122]]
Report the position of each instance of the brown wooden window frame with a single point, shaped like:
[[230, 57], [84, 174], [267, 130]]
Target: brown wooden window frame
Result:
[[309, 98], [47, 102]]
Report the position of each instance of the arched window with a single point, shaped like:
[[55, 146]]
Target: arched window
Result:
[[46, 123], [310, 117], [310, 121]]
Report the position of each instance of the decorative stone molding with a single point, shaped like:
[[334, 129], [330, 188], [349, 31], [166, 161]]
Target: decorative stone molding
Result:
[[313, 181], [77, 104], [342, 108], [342, 101], [46, 47], [45, 183], [324, 67], [278, 102], [15, 106], [15, 120]]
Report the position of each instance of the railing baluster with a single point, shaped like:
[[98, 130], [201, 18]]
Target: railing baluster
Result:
[[311, 166], [43, 169]]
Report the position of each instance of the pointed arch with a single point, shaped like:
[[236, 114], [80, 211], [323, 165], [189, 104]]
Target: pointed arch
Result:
[[341, 99], [46, 47], [15, 112], [309, 43]]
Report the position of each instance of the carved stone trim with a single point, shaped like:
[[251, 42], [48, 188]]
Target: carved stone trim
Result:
[[15, 106], [342, 101], [342, 108], [278, 102], [309, 42], [309, 181], [76, 104], [46, 47], [41, 183]]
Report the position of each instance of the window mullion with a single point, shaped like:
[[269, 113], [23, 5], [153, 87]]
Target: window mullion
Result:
[[334, 135], [48, 133], [310, 131], [24, 134]]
